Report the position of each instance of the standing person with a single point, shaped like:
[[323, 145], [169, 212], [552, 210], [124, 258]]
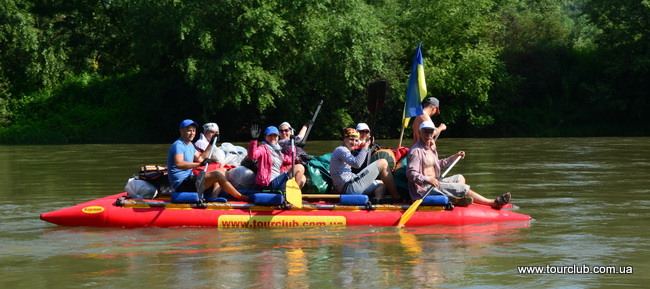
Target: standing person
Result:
[[424, 168], [183, 157], [273, 165], [430, 107], [210, 130], [347, 182]]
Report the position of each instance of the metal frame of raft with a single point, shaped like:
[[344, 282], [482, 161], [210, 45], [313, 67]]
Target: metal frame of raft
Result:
[[120, 211]]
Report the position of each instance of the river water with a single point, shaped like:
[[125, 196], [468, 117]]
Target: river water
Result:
[[589, 198]]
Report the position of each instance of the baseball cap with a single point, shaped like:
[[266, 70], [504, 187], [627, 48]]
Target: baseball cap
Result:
[[427, 125], [271, 130], [285, 123], [188, 122], [362, 126], [434, 101]]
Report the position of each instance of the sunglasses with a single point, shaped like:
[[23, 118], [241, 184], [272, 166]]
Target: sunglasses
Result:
[[364, 131], [285, 130]]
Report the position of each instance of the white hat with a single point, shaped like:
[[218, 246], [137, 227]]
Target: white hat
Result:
[[284, 123], [362, 126], [210, 126], [427, 125]]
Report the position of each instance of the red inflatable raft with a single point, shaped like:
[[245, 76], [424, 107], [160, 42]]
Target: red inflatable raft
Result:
[[121, 211]]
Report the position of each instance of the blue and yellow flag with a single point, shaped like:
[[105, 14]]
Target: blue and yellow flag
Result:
[[416, 90]]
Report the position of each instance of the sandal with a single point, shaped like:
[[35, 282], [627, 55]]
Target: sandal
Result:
[[501, 201]]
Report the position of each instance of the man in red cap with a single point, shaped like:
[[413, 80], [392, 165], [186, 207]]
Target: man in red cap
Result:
[[430, 106]]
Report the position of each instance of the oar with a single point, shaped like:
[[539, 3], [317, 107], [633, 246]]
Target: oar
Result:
[[376, 98], [200, 179], [411, 210], [292, 191], [313, 119]]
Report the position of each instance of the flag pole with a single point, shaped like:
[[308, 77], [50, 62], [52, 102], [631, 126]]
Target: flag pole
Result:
[[401, 135]]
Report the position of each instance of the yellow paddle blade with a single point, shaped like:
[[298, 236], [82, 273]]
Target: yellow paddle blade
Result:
[[294, 195], [409, 213]]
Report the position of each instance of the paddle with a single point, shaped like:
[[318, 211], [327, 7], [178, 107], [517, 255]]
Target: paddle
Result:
[[313, 119], [200, 179], [376, 98], [411, 210], [292, 191]]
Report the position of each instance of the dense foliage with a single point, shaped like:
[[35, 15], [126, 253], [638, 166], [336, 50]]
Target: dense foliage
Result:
[[76, 71]]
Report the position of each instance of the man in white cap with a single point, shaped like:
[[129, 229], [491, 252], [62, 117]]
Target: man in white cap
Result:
[[182, 157], [424, 168], [210, 130], [430, 107]]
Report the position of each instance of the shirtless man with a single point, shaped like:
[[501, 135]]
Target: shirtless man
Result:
[[430, 106], [424, 168]]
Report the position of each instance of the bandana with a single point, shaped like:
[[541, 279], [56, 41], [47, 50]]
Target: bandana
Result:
[[350, 132]]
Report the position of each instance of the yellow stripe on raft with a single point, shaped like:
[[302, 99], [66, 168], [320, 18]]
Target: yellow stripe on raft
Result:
[[257, 221]]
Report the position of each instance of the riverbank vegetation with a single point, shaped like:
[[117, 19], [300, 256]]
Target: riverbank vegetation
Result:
[[124, 71]]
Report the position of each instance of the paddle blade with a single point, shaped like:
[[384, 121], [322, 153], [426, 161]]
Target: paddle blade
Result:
[[376, 96], [294, 195], [409, 213], [200, 183]]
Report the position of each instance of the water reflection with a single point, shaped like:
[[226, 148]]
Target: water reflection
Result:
[[285, 257]]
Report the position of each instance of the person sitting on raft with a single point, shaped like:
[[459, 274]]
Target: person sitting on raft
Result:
[[210, 130], [271, 174], [364, 134], [182, 157], [286, 133], [424, 167], [347, 182]]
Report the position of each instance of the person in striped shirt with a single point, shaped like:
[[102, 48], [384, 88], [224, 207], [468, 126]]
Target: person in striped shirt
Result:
[[365, 182]]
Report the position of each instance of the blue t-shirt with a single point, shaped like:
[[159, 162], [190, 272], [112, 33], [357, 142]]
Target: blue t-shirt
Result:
[[176, 175]]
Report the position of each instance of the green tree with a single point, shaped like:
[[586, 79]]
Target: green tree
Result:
[[624, 45]]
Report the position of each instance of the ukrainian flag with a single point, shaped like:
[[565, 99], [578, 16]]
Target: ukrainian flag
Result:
[[417, 89]]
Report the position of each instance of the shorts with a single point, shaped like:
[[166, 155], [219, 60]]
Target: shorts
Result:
[[187, 185], [450, 187], [365, 182], [279, 183]]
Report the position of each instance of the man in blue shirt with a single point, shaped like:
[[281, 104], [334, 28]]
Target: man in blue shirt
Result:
[[183, 157]]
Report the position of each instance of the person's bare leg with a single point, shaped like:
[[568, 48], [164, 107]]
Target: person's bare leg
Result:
[[485, 201], [216, 177], [479, 199], [386, 176], [380, 191], [300, 174]]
